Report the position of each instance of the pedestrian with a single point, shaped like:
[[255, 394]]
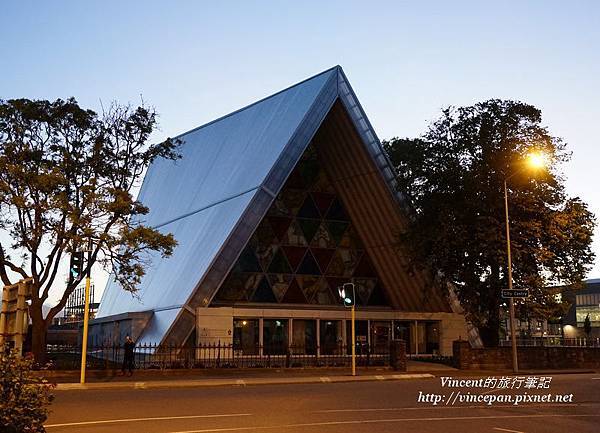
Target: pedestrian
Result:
[[128, 355]]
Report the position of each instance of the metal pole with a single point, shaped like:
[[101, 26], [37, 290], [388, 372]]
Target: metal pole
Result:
[[86, 314], [353, 342], [511, 301]]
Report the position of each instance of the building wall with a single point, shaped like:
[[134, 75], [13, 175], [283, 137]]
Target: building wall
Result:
[[215, 325]]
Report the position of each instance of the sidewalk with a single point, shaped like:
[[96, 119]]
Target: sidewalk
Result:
[[246, 380]]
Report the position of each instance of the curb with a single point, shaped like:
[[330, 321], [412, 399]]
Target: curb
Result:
[[236, 382]]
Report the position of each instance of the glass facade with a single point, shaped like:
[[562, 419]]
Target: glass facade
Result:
[[305, 247], [275, 336], [304, 337], [331, 337], [246, 336]]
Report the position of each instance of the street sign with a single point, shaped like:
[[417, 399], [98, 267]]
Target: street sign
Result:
[[515, 293]]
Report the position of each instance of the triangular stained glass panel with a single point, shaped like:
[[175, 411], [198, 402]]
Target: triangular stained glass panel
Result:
[[343, 262], [293, 199], [364, 287], [280, 284], [309, 265], [279, 264], [336, 211], [322, 238], [350, 239], [265, 255], [378, 297], [309, 228], [263, 292], [334, 284], [364, 268], [337, 230], [322, 183], [309, 286], [264, 234], [247, 262], [323, 295], [322, 200], [294, 294], [294, 236], [294, 255], [280, 225], [232, 288], [309, 209], [323, 257], [295, 180], [279, 208]]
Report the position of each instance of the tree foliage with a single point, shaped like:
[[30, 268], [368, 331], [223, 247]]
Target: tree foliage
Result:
[[453, 177], [24, 398], [67, 177]]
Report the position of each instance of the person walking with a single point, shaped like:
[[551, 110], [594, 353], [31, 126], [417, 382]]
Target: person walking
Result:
[[128, 356]]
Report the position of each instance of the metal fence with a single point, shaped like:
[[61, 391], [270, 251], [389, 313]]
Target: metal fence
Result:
[[553, 342], [218, 355]]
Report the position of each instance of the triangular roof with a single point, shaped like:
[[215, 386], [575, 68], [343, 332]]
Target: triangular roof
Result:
[[213, 198]]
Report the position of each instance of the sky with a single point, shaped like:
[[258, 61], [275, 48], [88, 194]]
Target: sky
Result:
[[197, 60]]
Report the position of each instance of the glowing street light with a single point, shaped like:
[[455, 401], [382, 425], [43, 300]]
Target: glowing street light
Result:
[[535, 160]]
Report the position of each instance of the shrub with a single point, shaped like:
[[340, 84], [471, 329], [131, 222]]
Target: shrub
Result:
[[24, 398]]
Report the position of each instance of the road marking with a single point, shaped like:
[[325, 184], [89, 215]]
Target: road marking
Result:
[[158, 418], [504, 429], [496, 406], [325, 379], [379, 377], [139, 385], [595, 378], [380, 421], [240, 382]]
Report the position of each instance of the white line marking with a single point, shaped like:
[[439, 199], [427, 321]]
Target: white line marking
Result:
[[379, 377], [379, 421], [139, 385], [595, 378], [384, 409], [325, 379], [240, 382], [158, 418], [504, 429]]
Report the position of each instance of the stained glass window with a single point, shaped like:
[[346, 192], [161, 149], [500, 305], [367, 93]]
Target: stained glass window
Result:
[[305, 248]]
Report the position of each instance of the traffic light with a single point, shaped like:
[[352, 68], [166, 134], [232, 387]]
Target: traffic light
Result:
[[76, 266], [347, 294]]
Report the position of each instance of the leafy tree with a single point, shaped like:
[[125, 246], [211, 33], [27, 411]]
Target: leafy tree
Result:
[[24, 398], [67, 175], [587, 326], [453, 178]]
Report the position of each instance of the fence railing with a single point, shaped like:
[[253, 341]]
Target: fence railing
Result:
[[553, 342], [218, 355]]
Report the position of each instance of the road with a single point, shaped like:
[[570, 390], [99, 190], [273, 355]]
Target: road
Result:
[[380, 406]]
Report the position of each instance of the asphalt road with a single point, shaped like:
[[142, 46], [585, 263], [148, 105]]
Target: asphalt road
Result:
[[385, 406]]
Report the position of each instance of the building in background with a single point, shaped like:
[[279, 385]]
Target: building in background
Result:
[[274, 207], [584, 302]]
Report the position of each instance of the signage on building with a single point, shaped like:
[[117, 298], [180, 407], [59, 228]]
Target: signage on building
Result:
[[515, 293]]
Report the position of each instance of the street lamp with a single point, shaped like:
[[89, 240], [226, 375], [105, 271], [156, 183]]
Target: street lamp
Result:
[[347, 294], [535, 160]]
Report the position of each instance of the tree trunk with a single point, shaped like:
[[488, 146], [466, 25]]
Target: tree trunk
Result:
[[38, 332]]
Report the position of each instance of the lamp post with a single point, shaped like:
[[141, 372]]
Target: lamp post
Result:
[[347, 293], [536, 161], [86, 314]]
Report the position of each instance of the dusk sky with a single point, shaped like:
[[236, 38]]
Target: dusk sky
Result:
[[197, 60]]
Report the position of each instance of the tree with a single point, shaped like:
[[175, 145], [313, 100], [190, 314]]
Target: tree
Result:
[[587, 326], [24, 398], [67, 178], [453, 179]]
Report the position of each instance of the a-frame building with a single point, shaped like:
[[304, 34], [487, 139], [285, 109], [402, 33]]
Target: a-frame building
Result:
[[274, 206]]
